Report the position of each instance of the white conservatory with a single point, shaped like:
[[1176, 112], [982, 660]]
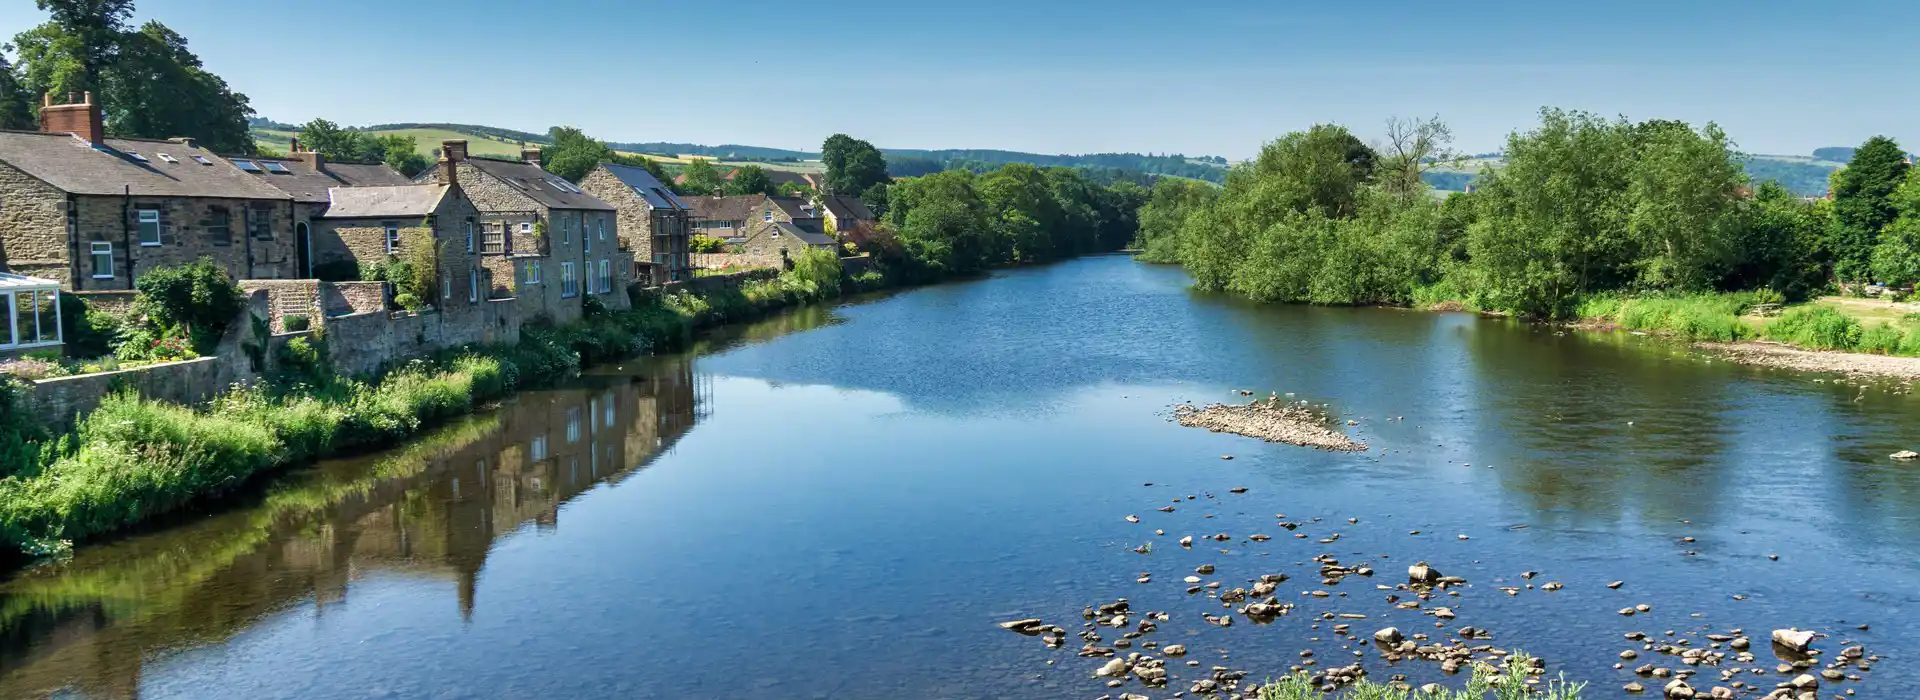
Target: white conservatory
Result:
[[30, 308]]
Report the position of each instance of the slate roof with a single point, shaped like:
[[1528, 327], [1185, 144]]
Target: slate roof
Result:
[[795, 208], [738, 208], [538, 184], [847, 208], [381, 202], [644, 184], [76, 167], [809, 237], [309, 185]]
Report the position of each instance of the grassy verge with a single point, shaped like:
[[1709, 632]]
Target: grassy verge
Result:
[[1720, 317], [134, 459]]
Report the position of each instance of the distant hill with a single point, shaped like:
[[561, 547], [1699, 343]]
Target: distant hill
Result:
[[1838, 154]]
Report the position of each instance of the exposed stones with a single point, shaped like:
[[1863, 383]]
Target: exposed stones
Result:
[[1270, 420], [1905, 455], [1023, 626], [1423, 573], [1388, 635], [1114, 668], [1794, 639]]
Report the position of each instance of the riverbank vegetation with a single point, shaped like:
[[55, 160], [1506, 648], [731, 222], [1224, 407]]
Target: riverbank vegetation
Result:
[[1647, 225]]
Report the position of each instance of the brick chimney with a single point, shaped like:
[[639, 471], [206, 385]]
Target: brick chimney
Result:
[[313, 159], [454, 150], [530, 154], [80, 118]]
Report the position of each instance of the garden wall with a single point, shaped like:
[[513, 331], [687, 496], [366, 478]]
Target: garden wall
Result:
[[362, 343]]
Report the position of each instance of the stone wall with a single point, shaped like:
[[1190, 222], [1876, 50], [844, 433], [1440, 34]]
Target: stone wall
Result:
[[342, 298], [288, 298], [712, 261], [33, 227], [251, 239], [116, 303], [62, 400], [364, 343]]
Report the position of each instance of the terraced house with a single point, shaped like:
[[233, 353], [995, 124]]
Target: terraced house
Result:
[[94, 213], [654, 222], [548, 240]]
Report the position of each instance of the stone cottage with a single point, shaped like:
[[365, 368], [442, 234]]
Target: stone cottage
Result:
[[94, 213], [842, 213], [309, 178], [560, 243], [367, 224], [724, 218], [783, 241], [654, 222]]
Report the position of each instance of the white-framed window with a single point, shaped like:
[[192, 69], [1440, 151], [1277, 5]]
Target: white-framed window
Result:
[[603, 228], [149, 227], [493, 238], [766, 215], [569, 283], [393, 239], [586, 237], [473, 286], [446, 286], [102, 260], [533, 272], [468, 226], [606, 277], [526, 227]]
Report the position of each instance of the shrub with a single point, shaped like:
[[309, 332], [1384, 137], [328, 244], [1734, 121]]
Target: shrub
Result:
[[197, 296], [87, 332], [408, 302], [1815, 326], [295, 323], [1691, 316], [32, 368], [146, 344], [702, 243], [1883, 339]]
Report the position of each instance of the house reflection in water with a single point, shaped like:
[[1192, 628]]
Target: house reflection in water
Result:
[[431, 509]]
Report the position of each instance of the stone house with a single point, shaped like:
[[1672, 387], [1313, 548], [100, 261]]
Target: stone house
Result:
[[724, 218], [654, 223], [557, 243], [309, 178], [843, 213], [783, 241], [366, 224], [94, 213]]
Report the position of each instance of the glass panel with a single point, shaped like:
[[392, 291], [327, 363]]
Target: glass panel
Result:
[[23, 317], [6, 327], [49, 316]]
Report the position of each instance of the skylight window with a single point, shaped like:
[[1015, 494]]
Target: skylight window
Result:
[[136, 156], [167, 158], [273, 167], [246, 165], [562, 185], [202, 160]]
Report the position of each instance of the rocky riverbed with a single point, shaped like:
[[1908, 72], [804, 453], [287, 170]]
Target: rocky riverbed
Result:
[[1272, 420], [1766, 354]]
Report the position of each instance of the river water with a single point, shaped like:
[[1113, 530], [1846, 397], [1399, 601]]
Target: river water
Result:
[[842, 502]]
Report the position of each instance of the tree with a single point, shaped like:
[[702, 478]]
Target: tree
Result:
[[750, 179], [1166, 210], [328, 139], [146, 81], [853, 165], [1862, 204], [16, 106], [400, 152], [701, 178], [572, 154], [1413, 147], [1684, 221], [1896, 257]]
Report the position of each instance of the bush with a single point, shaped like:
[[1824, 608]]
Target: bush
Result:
[[295, 323], [1818, 327], [1692, 316], [408, 302], [1883, 339], [702, 243], [86, 332], [197, 296]]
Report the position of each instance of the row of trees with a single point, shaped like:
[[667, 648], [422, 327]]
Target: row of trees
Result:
[[1584, 204], [148, 83], [958, 222], [338, 144]]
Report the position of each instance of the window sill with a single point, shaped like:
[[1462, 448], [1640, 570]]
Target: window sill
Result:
[[105, 277], [145, 244]]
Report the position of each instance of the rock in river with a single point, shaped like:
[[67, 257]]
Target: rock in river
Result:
[[1905, 455], [1388, 635], [1797, 640], [1422, 573]]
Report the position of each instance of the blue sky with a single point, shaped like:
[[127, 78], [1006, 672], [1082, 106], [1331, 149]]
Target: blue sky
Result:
[[1197, 77]]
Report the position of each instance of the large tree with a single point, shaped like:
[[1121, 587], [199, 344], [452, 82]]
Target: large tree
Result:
[[147, 82], [751, 179], [1685, 217], [573, 153], [853, 166], [1862, 204], [701, 178], [16, 106], [1413, 147]]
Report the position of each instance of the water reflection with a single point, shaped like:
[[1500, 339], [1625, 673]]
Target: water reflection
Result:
[[432, 511]]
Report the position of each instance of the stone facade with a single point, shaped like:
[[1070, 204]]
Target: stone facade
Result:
[[657, 237], [33, 227], [574, 246], [767, 241], [364, 343]]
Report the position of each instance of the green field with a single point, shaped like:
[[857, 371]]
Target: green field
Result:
[[427, 141]]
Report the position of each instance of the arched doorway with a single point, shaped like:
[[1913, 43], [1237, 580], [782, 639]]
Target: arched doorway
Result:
[[303, 243]]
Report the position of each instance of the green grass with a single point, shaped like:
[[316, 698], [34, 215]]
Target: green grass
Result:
[[1721, 317], [1507, 682], [1709, 316]]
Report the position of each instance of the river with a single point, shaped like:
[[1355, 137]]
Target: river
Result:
[[842, 502]]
